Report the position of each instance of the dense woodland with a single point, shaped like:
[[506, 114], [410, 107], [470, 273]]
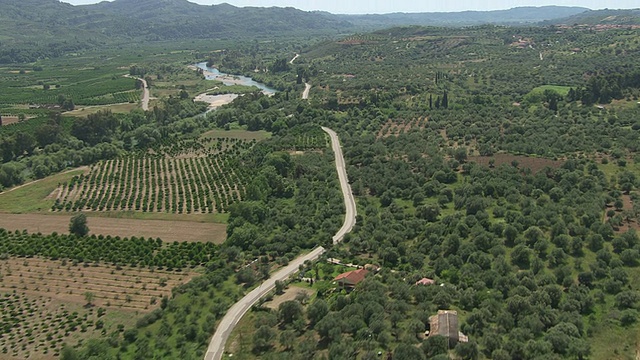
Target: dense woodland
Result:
[[501, 162]]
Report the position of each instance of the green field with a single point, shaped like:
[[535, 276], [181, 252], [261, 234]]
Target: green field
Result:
[[562, 90], [34, 197]]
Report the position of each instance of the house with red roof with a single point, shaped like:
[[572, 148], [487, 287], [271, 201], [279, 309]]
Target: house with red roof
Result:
[[352, 278]]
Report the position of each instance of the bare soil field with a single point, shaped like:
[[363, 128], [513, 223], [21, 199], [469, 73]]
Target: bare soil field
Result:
[[43, 302], [163, 229], [112, 286], [8, 120], [533, 163], [289, 294]]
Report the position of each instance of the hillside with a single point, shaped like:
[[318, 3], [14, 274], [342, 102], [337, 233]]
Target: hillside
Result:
[[602, 17], [519, 15], [35, 29], [179, 19]]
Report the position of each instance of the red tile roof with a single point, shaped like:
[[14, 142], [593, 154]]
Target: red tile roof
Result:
[[352, 277]]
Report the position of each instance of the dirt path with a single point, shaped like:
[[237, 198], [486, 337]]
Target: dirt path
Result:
[[289, 294], [145, 92], [145, 95], [305, 93], [164, 229]]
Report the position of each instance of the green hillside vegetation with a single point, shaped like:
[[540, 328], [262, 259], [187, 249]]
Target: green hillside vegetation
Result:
[[515, 16], [603, 17], [36, 29], [501, 162]]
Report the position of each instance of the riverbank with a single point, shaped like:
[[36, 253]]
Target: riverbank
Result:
[[216, 101]]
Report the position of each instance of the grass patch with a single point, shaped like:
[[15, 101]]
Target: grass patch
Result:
[[610, 340], [613, 169], [536, 95], [118, 108], [240, 343], [33, 197], [562, 90]]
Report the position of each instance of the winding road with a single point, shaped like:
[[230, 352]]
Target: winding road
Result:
[[235, 313]]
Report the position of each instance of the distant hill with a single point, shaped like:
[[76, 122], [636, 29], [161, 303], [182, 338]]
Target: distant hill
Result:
[[600, 17], [155, 20], [179, 19], [32, 29], [515, 16]]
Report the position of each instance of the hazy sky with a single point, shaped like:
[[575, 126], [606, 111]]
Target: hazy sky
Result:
[[387, 6]]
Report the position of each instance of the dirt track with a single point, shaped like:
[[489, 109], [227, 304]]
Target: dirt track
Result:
[[164, 229]]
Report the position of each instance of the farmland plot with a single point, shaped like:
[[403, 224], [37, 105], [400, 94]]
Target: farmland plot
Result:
[[187, 177], [99, 90], [135, 252], [44, 302], [152, 184], [112, 286]]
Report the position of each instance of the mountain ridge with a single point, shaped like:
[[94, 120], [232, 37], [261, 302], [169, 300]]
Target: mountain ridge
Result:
[[600, 17], [33, 29]]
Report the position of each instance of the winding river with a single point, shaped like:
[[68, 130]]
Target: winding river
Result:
[[215, 101]]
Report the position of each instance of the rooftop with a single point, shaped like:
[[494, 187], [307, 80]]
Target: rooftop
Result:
[[352, 277]]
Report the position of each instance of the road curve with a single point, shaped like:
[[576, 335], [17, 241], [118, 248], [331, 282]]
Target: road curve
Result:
[[349, 201], [237, 311], [305, 93]]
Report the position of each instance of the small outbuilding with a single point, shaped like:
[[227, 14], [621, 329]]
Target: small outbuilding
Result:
[[445, 323], [426, 281]]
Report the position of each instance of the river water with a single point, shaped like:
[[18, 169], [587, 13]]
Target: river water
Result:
[[215, 74]]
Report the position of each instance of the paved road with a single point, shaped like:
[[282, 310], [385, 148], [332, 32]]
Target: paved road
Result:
[[305, 93], [235, 313], [349, 201]]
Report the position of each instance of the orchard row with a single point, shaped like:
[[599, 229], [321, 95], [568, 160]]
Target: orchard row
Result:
[[132, 251], [152, 184]]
